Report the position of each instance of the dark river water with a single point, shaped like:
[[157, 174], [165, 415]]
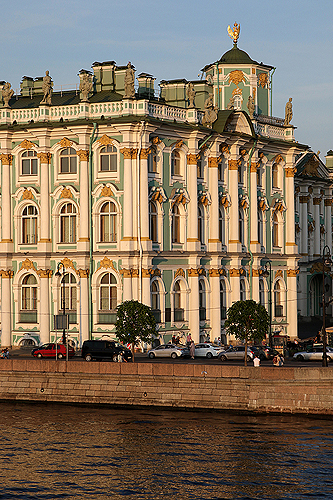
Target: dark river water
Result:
[[59, 451]]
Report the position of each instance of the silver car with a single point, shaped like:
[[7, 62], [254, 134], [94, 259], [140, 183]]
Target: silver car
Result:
[[166, 351], [314, 354], [236, 353], [206, 350]]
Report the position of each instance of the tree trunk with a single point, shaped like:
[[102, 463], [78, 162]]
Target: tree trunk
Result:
[[245, 353]]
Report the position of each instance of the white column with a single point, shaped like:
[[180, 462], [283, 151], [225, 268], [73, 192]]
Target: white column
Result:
[[215, 311], [234, 244], [84, 197], [6, 295], [213, 241], [234, 282], [127, 284], [193, 280], [316, 216], [304, 224], [292, 303], [328, 223], [44, 302], [144, 211], [254, 241], [44, 237], [291, 247], [146, 287], [192, 228], [84, 304], [127, 201], [6, 219]]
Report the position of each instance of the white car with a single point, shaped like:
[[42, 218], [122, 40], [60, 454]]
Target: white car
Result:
[[314, 354], [166, 351], [206, 350]]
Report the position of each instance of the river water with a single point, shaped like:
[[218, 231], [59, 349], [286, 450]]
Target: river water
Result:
[[60, 451]]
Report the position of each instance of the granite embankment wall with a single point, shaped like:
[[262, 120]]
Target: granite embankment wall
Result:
[[183, 386]]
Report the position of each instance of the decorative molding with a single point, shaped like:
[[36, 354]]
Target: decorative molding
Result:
[[68, 264], [27, 264], [66, 193], [192, 159], [213, 162], [180, 272], [256, 273], [83, 273], [179, 197], [192, 272], [105, 140], [27, 144], [65, 143], [157, 194], [234, 273], [279, 274], [292, 273], [225, 202], [83, 154], [263, 79], [290, 172], [278, 159], [178, 144], [317, 201], [214, 273], [311, 168], [304, 198], [310, 189], [155, 272], [6, 273], [233, 164], [45, 273], [27, 194], [156, 140], [254, 166], [242, 271], [145, 273], [236, 76], [204, 198], [7, 159], [144, 153], [328, 203], [44, 157], [126, 273], [106, 192], [129, 153], [225, 149], [107, 263], [263, 204]]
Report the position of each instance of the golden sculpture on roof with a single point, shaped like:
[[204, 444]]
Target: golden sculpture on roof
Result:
[[234, 33]]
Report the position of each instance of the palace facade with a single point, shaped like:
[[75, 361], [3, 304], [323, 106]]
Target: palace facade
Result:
[[177, 199]]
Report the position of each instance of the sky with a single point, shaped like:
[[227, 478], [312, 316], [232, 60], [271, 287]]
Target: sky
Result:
[[175, 39]]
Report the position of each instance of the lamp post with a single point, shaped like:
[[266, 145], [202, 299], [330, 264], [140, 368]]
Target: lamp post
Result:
[[58, 274], [326, 262], [267, 274]]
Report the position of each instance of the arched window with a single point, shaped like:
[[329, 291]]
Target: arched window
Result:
[[29, 163], [202, 300], [200, 167], [68, 161], [28, 313], [175, 163], [223, 299], [278, 307], [108, 222], [275, 233], [68, 286], [108, 159], [201, 223], [238, 102], [155, 301], [242, 291], [153, 222], [68, 223], [275, 176], [152, 160], [261, 292], [260, 228], [175, 224], [241, 225], [29, 224], [178, 309], [108, 299], [221, 225]]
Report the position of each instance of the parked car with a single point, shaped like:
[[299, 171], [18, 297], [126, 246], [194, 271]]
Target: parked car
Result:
[[49, 351], [167, 351], [314, 354], [264, 351], [207, 350], [104, 349], [236, 353]]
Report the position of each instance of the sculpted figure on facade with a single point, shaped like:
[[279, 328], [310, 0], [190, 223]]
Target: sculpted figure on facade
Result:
[[190, 94], [86, 85], [288, 112], [129, 82], [251, 106], [210, 112], [231, 103], [47, 89], [7, 93]]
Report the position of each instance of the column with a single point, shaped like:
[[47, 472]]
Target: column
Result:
[[192, 228], [234, 243], [291, 247], [84, 199], [254, 237], [303, 200], [215, 310], [6, 220], [127, 240], [146, 287], [144, 207], [127, 284], [84, 305], [292, 303], [234, 284], [45, 220], [44, 301], [193, 279], [328, 223], [6, 296], [214, 242], [316, 216]]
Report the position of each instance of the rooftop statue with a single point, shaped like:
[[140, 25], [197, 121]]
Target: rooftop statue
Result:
[[7, 93], [251, 106], [86, 86], [288, 112], [47, 89], [190, 94], [210, 112], [129, 82], [234, 33]]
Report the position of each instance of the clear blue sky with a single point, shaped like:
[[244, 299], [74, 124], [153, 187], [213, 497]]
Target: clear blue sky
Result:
[[175, 39]]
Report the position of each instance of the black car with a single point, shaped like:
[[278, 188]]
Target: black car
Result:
[[104, 349]]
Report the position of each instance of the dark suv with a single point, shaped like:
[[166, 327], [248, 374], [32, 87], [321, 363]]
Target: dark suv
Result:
[[104, 349]]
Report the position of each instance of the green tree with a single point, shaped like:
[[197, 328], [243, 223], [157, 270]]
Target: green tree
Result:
[[247, 320], [135, 323]]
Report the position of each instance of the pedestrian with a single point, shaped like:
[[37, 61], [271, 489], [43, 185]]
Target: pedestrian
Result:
[[278, 360], [121, 358], [256, 361], [192, 350], [188, 340]]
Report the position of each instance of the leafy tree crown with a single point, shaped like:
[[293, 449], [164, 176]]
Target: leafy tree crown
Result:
[[247, 320], [135, 322]]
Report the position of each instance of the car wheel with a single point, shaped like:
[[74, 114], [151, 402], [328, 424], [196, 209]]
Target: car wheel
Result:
[[174, 355], [151, 355], [209, 355], [39, 356], [248, 358], [299, 358], [88, 357], [60, 356], [223, 358]]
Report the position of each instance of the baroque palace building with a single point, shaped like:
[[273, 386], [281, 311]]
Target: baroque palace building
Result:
[[177, 200]]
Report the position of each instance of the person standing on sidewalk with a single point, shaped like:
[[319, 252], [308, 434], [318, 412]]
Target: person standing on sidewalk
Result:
[[192, 349], [256, 361]]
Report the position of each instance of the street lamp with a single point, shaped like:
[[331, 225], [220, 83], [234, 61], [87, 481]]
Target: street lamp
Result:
[[267, 274], [58, 274], [326, 262]]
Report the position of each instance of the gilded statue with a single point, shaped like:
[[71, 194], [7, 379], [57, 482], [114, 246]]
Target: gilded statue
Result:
[[86, 86], [7, 93], [288, 112], [190, 94], [234, 33], [210, 112], [251, 106], [47, 89], [129, 82]]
